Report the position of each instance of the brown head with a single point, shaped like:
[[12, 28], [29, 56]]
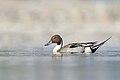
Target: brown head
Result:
[[55, 39]]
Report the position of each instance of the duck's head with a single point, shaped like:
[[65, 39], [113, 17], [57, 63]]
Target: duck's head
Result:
[[55, 39]]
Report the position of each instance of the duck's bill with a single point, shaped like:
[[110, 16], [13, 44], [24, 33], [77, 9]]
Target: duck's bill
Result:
[[50, 42]]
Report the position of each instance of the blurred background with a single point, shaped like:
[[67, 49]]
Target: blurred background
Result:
[[31, 23], [26, 25]]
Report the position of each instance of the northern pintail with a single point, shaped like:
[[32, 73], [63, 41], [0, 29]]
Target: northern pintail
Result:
[[87, 47]]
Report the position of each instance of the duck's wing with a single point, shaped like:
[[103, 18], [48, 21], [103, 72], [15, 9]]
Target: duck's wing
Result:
[[74, 45], [88, 43], [93, 42]]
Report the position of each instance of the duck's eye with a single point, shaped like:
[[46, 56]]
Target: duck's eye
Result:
[[54, 38]]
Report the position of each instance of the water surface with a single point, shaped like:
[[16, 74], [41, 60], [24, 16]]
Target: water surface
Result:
[[18, 65]]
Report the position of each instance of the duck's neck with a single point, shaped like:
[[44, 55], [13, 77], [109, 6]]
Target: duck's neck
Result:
[[58, 47]]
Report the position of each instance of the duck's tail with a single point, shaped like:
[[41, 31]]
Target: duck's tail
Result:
[[95, 47]]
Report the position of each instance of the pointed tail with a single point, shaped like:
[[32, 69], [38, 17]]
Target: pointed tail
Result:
[[95, 47]]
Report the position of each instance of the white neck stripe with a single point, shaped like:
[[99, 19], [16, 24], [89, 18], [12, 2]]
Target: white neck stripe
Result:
[[58, 47]]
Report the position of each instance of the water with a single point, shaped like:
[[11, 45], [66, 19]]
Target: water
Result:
[[21, 65]]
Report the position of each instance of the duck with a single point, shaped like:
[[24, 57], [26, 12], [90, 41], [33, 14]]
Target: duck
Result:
[[85, 47]]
